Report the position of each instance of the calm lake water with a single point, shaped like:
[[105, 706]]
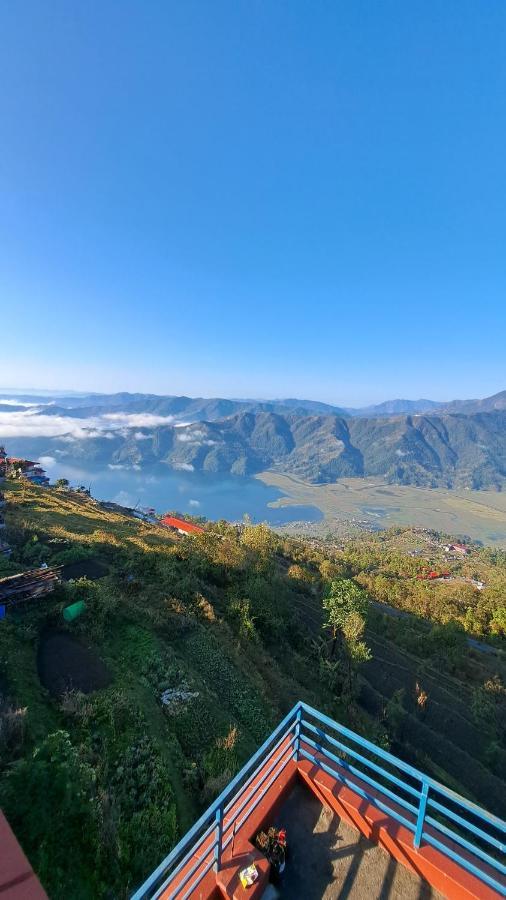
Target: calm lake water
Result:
[[213, 496]]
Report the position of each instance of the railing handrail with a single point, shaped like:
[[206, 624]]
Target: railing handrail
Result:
[[228, 803], [217, 804], [405, 767]]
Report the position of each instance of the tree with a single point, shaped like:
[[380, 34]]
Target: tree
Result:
[[346, 606], [498, 623], [62, 484], [50, 801]]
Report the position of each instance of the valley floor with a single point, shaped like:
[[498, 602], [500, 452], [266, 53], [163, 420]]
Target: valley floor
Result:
[[357, 503]]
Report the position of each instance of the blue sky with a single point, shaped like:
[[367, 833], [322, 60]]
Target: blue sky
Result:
[[254, 198]]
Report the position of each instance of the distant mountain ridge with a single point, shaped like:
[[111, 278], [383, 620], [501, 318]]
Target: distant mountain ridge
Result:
[[448, 451], [397, 408], [458, 445], [214, 408], [488, 404]]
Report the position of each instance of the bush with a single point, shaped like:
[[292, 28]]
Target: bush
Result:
[[50, 801]]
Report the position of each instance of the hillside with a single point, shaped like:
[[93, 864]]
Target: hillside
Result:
[[194, 620], [487, 404]]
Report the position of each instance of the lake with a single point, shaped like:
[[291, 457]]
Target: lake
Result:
[[214, 496]]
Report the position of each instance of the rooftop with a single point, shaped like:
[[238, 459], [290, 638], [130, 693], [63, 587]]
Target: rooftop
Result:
[[181, 525]]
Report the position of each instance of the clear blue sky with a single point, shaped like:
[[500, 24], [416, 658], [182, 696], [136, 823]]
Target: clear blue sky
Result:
[[254, 198]]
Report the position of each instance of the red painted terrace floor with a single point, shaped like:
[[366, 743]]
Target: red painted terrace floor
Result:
[[17, 879]]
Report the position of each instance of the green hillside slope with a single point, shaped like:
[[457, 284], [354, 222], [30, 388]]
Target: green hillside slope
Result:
[[117, 729]]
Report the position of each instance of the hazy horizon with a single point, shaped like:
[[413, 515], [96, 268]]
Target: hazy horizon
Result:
[[71, 392]]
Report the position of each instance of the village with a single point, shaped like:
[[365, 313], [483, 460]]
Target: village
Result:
[[35, 583]]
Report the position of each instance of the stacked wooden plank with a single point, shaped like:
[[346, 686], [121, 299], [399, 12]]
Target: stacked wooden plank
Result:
[[28, 585]]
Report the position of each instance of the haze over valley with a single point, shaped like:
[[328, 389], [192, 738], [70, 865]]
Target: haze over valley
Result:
[[200, 455]]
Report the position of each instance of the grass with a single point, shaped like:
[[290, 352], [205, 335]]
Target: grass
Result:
[[145, 645], [72, 517]]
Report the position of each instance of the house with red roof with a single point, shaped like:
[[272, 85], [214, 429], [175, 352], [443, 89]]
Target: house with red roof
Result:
[[181, 526]]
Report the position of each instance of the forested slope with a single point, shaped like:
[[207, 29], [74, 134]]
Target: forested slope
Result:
[[99, 774]]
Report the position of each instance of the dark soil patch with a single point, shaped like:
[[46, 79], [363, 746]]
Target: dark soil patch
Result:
[[3, 686], [65, 663], [86, 568]]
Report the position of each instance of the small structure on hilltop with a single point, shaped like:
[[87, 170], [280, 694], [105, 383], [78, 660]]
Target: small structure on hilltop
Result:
[[433, 576], [181, 525], [31, 585], [460, 549], [16, 467], [37, 475]]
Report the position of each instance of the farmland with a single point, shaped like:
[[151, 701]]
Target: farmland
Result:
[[479, 514]]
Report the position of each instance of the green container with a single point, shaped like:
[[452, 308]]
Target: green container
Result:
[[74, 611]]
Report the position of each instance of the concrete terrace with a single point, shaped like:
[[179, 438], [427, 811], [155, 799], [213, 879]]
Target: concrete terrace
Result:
[[328, 859]]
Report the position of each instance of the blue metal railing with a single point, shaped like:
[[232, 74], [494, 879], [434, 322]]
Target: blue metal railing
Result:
[[464, 832]]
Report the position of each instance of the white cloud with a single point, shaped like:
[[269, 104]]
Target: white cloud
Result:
[[118, 466], [47, 461], [194, 502], [194, 437], [124, 499], [140, 436], [31, 422], [185, 467], [9, 402], [95, 432], [138, 420]]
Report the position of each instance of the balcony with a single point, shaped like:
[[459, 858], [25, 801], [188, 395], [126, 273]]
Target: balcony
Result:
[[312, 767]]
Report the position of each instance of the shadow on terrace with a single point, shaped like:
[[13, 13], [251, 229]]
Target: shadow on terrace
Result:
[[329, 859]]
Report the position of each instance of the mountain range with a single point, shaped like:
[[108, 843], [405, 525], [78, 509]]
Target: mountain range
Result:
[[210, 409], [457, 445]]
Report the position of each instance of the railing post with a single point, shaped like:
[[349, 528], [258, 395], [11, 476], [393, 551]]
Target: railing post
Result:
[[219, 835], [298, 718], [421, 815]]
